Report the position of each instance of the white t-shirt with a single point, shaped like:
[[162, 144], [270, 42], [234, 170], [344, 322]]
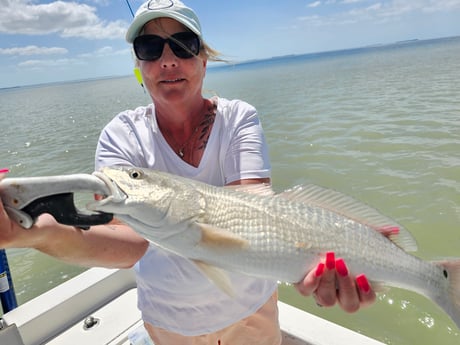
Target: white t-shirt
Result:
[[172, 293]]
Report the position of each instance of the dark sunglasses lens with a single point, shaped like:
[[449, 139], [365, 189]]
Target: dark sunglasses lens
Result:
[[185, 44], [148, 47]]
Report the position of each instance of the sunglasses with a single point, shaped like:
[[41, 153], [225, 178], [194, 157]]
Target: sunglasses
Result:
[[184, 45]]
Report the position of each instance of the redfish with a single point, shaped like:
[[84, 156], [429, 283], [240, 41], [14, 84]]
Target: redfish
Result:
[[277, 236]]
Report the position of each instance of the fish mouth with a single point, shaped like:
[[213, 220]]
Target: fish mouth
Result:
[[117, 195]]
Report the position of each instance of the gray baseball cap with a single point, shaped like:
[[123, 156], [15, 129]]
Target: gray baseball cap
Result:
[[159, 9]]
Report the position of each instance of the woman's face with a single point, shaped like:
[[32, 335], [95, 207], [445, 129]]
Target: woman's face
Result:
[[170, 78]]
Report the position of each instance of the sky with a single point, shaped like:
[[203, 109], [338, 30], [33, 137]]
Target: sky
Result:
[[52, 41]]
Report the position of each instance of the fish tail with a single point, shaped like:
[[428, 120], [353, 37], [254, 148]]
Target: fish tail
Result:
[[450, 302]]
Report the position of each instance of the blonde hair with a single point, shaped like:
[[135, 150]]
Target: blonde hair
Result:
[[210, 53]]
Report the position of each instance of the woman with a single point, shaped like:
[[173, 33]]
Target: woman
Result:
[[216, 141]]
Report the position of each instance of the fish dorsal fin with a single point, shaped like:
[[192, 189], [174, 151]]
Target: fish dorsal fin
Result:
[[220, 238], [351, 208], [262, 189], [218, 276]]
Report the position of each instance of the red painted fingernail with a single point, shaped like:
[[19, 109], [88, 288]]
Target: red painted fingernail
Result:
[[341, 268], [363, 283], [330, 260], [4, 171], [319, 270]]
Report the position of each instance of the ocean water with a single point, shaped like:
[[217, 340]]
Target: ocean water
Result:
[[381, 124]]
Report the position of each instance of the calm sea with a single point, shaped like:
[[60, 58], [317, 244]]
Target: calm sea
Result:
[[381, 124]]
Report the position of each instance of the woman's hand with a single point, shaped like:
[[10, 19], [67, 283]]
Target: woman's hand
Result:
[[331, 283], [12, 235]]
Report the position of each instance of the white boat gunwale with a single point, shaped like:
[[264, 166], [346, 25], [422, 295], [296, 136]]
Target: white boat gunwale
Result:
[[57, 316]]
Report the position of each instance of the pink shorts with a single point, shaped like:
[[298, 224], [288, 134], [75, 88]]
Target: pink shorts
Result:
[[260, 328]]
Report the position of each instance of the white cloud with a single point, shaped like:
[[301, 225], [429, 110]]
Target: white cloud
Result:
[[33, 50], [39, 64], [69, 19], [112, 30], [444, 5], [104, 52], [351, 1], [379, 11], [314, 4]]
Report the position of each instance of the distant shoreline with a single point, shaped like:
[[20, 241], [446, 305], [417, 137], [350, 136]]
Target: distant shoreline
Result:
[[336, 52], [230, 65]]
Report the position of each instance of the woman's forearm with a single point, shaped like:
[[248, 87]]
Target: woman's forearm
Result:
[[114, 245]]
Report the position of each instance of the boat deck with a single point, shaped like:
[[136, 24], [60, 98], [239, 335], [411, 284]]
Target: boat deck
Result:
[[98, 307]]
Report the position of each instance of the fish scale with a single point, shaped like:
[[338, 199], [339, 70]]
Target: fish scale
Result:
[[252, 223], [250, 230]]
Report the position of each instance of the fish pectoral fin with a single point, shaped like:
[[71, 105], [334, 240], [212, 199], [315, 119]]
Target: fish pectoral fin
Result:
[[217, 276], [221, 238]]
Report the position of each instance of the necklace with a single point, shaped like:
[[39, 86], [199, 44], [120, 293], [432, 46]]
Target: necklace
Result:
[[180, 152], [202, 140]]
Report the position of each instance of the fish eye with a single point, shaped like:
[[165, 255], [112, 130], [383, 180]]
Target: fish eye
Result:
[[135, 174]]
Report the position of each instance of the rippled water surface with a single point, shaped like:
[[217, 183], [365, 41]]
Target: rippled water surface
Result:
[[380, 124]]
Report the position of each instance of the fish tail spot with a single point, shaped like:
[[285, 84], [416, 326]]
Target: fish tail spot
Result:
[[451, 272]]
